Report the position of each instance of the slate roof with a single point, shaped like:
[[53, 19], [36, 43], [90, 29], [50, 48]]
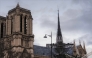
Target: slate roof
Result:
[[39, 50], [46, 51], [69, 51]]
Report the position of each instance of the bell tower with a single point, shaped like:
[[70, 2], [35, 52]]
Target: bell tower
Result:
[[19, 36]]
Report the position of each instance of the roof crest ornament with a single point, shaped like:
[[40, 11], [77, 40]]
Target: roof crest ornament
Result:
[[18, 6]]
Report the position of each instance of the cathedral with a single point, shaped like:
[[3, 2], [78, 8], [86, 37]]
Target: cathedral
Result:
[[16, 39]]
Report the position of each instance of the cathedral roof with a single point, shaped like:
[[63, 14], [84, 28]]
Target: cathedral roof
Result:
[[39, 50], [20, 8], [69, 51]]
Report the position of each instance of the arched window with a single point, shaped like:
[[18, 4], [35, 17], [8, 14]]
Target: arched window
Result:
[[21, 23], [25, 25], [2, 30]]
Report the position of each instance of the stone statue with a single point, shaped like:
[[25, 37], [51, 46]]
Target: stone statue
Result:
[[6, 55]]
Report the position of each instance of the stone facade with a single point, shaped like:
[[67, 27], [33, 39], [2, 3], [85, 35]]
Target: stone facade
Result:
[[16, 34]]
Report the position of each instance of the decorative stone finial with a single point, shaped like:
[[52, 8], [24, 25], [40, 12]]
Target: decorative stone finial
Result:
[[18, 5], [79, 42], [83, 44], [84, 47], [74, 42]]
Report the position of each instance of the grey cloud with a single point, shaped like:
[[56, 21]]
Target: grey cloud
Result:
[[80, 20], [48, 24], [81, 1], [82, 23], [86, 38]]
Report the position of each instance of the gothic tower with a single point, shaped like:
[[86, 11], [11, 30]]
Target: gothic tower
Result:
[[2, 33], [2, 26], [19, 37]]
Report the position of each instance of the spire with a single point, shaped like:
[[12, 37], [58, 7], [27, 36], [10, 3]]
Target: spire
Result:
[[79, 42], [74, 47], [84, 47], [76, 52], [59, 35], [74, 42], [59, 29]]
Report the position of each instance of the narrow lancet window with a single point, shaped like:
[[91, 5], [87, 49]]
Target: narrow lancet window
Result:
[[20, 23], [25, 25], [2, 30]]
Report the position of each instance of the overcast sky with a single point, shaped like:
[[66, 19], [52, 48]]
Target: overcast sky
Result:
[[75, 19]]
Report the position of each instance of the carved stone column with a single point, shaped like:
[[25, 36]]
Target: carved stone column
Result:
[[8, 26], [13, 23], [17, 23], [28, 26]]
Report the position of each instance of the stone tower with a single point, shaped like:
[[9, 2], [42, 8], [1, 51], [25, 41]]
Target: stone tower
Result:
[[2, 26], [19, 38], [2, 33]]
